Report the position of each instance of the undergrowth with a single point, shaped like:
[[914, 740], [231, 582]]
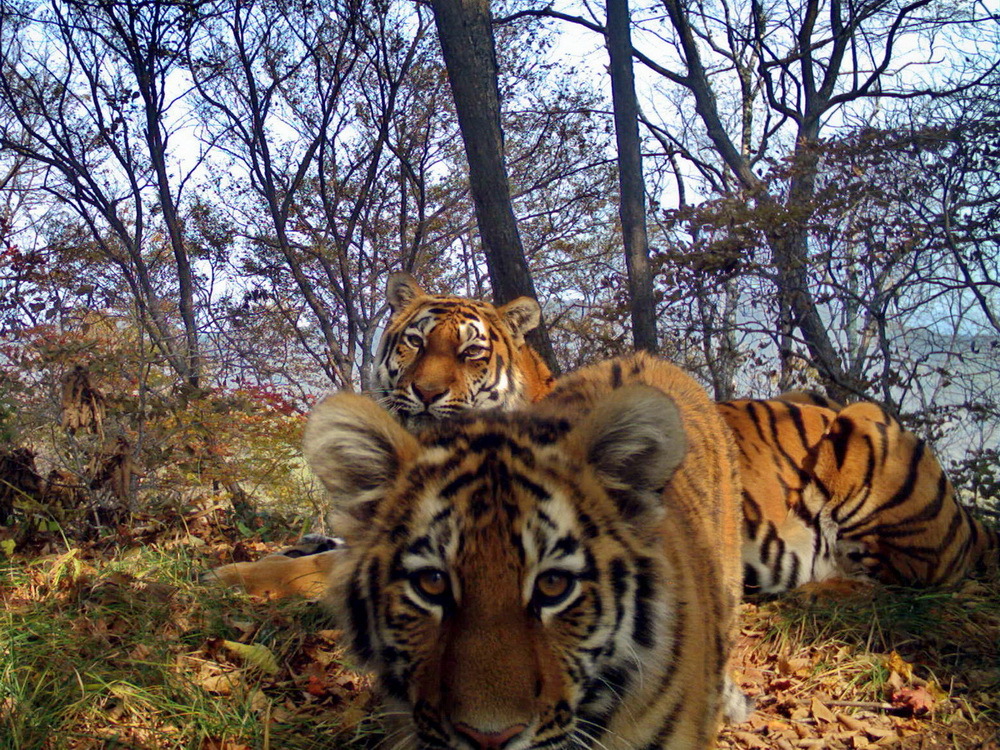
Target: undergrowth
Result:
[[115, 645], [862, 666], [129, 651]]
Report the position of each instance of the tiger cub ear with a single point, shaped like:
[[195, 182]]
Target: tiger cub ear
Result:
[[357, 449], [521, 315], [401, 290], [635, 440]]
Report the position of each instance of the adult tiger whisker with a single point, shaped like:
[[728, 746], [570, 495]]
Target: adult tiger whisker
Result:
[[404, 729]]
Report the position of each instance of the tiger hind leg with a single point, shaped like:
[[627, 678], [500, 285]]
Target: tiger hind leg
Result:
[[300, 570]]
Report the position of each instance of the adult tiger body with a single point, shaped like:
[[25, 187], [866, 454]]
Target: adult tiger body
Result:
[[783, 544], [893, 507], [846, 492], [557, 577]]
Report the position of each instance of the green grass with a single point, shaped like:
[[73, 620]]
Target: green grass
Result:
[[119, 647], [130, 653]]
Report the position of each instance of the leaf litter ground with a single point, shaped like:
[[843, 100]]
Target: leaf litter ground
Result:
[[114, 644]]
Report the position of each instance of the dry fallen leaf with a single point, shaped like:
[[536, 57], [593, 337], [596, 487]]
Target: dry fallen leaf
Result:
[[914, 701], [750, 740], [821, 712], [220, 684], [316, 686], [898, 664], [850, 722], [794, 667]]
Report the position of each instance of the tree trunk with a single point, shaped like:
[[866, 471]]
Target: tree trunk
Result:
[[632, 203], [466, 35]]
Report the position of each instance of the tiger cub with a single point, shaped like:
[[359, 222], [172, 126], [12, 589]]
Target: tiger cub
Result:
[[441, 354], [846, 492], [558, 577]]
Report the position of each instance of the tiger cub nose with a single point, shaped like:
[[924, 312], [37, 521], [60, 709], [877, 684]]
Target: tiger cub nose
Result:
[[489, 740]]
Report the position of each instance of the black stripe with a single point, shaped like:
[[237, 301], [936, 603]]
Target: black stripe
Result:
[[667, 728], [529, 486], [458, 484], [358, 614], [567, 545], [642, 620], [616, 374], [840, 437]]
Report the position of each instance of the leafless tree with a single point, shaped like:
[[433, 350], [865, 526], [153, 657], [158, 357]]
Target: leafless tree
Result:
[[632, 189], [87, 98]]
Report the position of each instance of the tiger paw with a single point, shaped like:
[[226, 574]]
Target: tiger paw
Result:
[[859, 557], [312, 544], [736, 705]]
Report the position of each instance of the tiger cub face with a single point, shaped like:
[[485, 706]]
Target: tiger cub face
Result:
[[441, 355], [503, 575]]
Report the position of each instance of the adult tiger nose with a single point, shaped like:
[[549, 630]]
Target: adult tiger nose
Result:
[[428, 394]]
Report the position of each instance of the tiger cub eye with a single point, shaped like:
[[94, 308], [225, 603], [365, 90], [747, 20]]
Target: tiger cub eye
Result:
[[552, 587], [431, 583]]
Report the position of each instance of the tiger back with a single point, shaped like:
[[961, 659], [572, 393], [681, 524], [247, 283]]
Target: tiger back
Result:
[[557, 577], [441, 355], [846, 493], [894, 508]]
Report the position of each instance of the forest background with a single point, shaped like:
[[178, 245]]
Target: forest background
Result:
[[200, 204]]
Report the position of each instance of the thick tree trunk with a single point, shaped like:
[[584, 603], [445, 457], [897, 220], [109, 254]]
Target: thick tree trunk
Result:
[[466, 34], [632, 195]]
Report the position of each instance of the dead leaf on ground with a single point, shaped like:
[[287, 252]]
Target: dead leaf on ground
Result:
[[898, 664], [821, 713], [915, 701]]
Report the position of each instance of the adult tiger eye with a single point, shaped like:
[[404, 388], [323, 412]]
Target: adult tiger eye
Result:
[[431, 583], [475, 352], [552, 587]]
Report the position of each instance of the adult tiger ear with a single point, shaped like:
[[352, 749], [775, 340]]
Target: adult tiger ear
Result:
[[521, 315], [634, 439], [357, 449], [401, 290]]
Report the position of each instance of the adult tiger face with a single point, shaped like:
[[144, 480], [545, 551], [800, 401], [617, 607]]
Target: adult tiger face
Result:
[[441, 355], [519, 582]]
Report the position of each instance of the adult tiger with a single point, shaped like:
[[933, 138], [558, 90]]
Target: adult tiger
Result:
[[441, 354], [846, 492], [558, 577]]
